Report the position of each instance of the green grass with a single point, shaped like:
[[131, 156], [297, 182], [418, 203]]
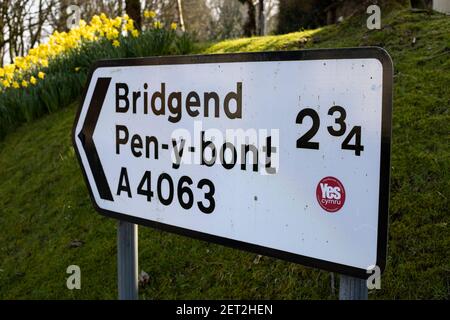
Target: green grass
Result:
[[44, 204]]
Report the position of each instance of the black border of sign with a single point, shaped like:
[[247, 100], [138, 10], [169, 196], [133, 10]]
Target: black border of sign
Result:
[[320, 54]]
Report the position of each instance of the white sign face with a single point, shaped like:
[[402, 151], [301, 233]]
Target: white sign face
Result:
[[284, 153]]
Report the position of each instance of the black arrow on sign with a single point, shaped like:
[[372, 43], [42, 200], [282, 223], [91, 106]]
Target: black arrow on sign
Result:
[[86, 133]]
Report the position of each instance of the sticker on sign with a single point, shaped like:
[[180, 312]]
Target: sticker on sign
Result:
[[281, 153]]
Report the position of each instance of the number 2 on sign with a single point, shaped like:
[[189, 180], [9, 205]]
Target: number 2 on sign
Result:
[[304, 142]]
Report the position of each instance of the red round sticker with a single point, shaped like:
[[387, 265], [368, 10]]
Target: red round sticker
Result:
[[330, 194]]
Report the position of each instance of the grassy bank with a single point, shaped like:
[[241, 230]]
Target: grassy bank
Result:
[[47, 221]]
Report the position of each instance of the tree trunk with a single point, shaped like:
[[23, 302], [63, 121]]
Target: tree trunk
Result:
[[180, 15], [119, 8], [418, 4], [250, 24], [133, 9], [261, 18]]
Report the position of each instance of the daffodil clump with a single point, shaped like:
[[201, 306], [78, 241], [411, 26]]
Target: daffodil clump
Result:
[[27, 71], [151, 15], [54, 73]]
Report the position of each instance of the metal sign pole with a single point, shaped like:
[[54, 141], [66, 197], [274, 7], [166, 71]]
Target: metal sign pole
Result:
[[352, 288], [127, 260]]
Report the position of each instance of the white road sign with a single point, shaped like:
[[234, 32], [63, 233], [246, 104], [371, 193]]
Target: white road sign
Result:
[[281, 153]]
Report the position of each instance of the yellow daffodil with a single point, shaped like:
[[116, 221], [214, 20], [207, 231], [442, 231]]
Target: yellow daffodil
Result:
[[59, 43], [16, 85], [149, 14], [9, 68], [173, 26], [117, 22], [112, 34], [34, 59], [130, 25], [157, 25], [96, 20]]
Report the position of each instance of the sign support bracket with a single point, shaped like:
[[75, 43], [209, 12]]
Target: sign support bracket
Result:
[[127, 260]]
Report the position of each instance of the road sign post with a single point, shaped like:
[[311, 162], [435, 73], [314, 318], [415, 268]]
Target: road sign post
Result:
[[352, 288], [286, 154], [127, 260]]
